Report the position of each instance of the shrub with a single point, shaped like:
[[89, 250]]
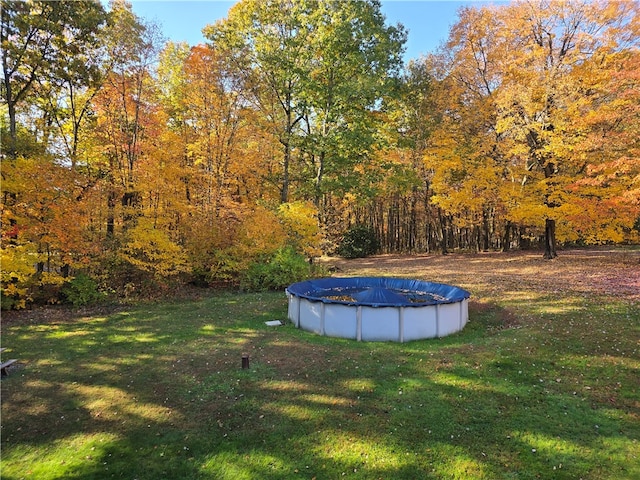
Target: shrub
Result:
[[357, 242], [224, 268], [82, 290], [283, 268]]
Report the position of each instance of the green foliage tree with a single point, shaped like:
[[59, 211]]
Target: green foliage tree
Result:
[[42, 40], [82, 290], [267, 44], [354, 67], [277, 271], [318, 71]]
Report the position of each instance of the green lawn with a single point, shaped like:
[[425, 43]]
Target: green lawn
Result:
[[536, 386]]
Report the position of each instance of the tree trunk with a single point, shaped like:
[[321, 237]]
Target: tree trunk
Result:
[[443, 228], [506, 239], [485, 231], [550, 239], [319, 178], [111, 207], [284, 191]]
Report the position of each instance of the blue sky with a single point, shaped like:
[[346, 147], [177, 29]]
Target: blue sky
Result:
[[428, 21]]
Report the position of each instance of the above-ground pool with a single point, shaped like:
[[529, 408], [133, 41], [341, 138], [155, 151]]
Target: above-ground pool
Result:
[[378, 308]]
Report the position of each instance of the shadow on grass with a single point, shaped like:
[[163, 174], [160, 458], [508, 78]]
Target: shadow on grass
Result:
[[158, 392]]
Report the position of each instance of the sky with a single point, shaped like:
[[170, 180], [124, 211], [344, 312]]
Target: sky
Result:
[[427, 21]]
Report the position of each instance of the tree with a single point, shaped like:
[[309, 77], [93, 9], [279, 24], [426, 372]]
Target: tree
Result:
[[411, 120], [525, 93], [66, 97], [39, 40], [355, 61], [45, 232], [544, 94], [317, 71], [216, 116], [464, 148], [124, 105], [46, 48], [609, 116], [266, 42]]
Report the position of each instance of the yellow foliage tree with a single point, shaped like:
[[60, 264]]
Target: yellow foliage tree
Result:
[[561, 75], [464, 153], [45, 226], [151, 250], [260, 234], [300, 221], [537, 112], [17, 270]]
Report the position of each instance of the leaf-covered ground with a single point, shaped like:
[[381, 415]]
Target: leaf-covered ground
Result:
[[602, 271]]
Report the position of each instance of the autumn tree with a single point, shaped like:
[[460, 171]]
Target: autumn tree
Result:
[[215, 113], [44, 210], [550, 85], [66, 100], [206, 111], [522, 93], [296, 123], [463, 149], [40, 40], [124, 105], [316, 70], [608, 114], [411, 219], [392, 199]]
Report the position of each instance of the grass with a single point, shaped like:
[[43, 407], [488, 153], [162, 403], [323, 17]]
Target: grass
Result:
[[542, 383]]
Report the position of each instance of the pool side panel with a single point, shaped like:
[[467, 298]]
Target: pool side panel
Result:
[[448, 319], [293, 311], [340, 321], [311, 316], [380, 324], [419, 322]]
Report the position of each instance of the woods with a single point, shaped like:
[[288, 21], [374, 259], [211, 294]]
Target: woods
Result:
[[134, 161]]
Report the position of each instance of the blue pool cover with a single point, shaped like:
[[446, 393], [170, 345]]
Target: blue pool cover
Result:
[[377, 291]]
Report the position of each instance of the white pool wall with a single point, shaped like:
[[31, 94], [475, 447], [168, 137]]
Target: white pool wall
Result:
[[383, 323]]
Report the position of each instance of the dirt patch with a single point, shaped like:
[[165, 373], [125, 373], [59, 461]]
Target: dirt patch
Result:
[[612, 272]]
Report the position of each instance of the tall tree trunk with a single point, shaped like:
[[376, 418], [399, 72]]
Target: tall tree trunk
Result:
[[550, 239], [413, 223], [443, 228], [485, 231], [111, 208], [284, 191], [318, 181], [10, 146], [506, 239]]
